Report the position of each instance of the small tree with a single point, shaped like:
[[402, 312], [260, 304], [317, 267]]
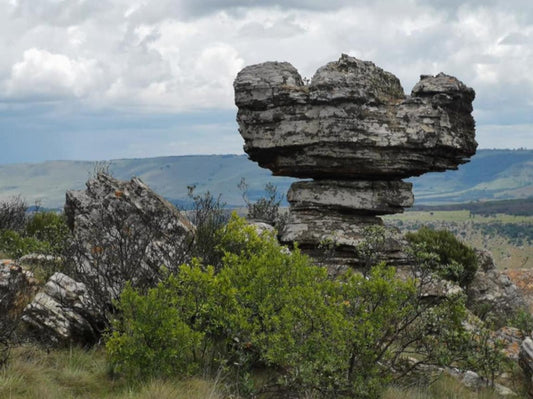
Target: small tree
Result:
[[209, 215], [267, 208], [13, 214], [456, 261]]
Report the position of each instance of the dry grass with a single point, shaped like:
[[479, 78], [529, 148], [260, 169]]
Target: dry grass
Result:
[[445, 387], [34, 373]]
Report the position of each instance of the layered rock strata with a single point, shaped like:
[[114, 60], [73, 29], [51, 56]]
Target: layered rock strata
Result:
[[356, 134]]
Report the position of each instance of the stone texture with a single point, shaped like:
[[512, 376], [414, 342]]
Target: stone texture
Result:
[[63, 313], [363, 197], [124, 226], [352, 121], [523, 279], [493, 290], [123, 233], [341, 233], [474, 381], [525, 360], [354, 131], [17, 286]]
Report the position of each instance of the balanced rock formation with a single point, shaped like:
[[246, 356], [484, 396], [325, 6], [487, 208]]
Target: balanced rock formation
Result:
[[356, 134]]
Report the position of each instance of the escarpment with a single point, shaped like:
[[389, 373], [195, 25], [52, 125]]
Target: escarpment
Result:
[[355, 133]]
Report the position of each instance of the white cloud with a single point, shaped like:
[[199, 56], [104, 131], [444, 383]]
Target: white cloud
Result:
[[42, 74], [175, 56]]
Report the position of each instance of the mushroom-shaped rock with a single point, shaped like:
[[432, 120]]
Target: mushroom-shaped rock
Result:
[[354, 131]]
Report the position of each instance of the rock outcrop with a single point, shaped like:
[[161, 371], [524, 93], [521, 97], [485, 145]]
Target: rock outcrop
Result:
[[525, 360], [17, 286], [492, 291], [63, 312], [356, 134], [123, 232]]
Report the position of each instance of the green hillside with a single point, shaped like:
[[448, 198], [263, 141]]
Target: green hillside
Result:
[[47, 182], [491, 175]]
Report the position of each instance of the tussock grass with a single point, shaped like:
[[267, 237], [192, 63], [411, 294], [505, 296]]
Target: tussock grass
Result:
[[446, 387], [35, 373]]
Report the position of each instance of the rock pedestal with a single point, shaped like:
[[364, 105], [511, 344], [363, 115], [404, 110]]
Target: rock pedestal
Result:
[[356, 134]]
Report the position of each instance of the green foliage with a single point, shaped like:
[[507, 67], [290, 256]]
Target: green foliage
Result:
[[523, 320], [485, 353], [456, 261], [271, 309], [154, 340], [49, 227], [43, 233], [15, 245]]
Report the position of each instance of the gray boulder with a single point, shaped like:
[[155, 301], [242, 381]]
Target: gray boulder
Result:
[[493, 291], [123, 232], [17, 287], [525, 360], [63, 312]]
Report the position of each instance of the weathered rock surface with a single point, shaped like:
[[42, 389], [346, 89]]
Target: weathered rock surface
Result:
[[17, 286], [16, 283], [355, 132], [341, 235], [523, 279], [106, 196], [474, 381], [352, 121], [525, 360], [493, 290], [63, 312], [123, 231], [351, 196]]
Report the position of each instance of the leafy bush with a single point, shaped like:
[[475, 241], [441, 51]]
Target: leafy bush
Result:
[[49, 227], [456, 261], [154, 340], [272, 309], [42, 233], [15, 245]]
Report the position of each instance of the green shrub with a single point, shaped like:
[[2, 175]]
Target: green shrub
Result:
[[48, 227], [456, 261], [271, 309], [43, 233], [14, 245], [153, 338]]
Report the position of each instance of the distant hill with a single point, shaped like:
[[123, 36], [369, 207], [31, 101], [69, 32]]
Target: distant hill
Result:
[[491, 175]]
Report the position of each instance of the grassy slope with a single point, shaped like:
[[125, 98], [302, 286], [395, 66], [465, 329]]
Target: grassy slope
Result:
[[35, 373], [507, 253], [47, 182], [492, 174]]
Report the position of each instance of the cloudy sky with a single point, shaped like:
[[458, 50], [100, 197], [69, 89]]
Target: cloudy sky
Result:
[[91, 80]]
